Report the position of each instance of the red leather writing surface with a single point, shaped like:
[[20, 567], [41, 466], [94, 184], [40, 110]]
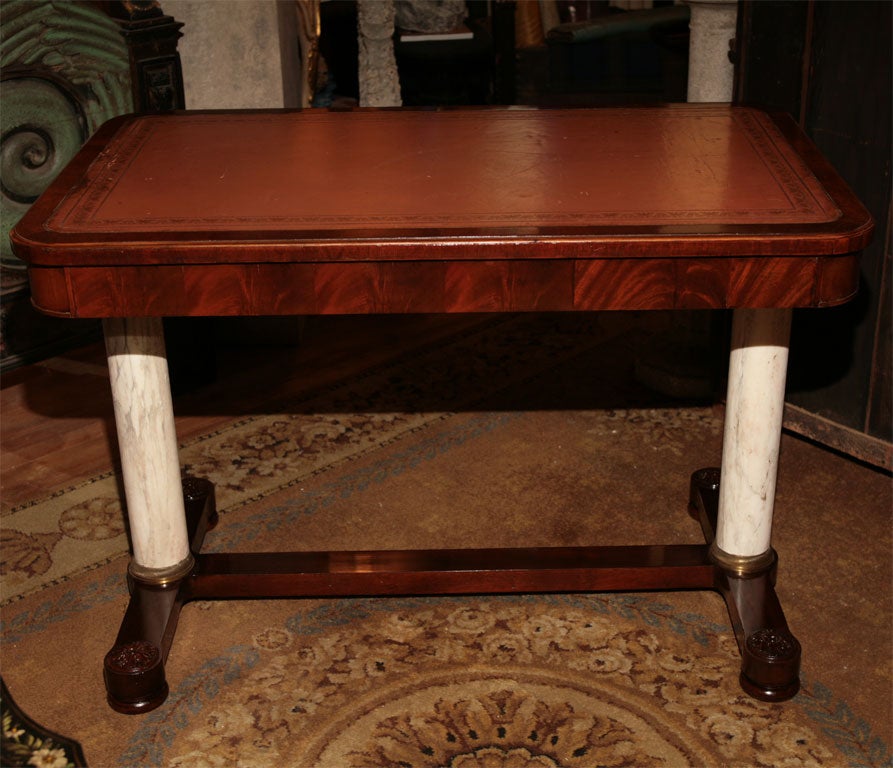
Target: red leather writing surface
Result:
[[450, 170], [546, 209]]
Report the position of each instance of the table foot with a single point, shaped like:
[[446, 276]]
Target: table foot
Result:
[[134, 668], [771, 665], [134, 677], [770, 654]]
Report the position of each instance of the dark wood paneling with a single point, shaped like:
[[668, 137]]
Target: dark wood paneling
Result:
[[880, 399], [771, 44], [828, 64], [848, 114]]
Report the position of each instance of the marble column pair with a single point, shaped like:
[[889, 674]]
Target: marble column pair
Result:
[[151, 468]]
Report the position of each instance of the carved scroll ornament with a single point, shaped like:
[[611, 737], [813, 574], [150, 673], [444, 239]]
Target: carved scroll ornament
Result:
[[65, 71]]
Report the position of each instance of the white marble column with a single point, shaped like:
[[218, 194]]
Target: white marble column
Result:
[[147, 442], [759, 355], [754, 410]]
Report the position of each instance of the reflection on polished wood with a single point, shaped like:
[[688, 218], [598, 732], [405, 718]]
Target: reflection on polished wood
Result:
[[458, 571]]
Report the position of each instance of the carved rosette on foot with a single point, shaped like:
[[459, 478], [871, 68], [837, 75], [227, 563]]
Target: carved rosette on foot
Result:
[[770, 665], [134, 668], [770, 654], [134, 677]]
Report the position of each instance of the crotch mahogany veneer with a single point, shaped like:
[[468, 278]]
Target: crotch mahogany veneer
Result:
[[485, 210]]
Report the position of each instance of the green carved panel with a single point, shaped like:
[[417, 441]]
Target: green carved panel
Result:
[[64, 71]]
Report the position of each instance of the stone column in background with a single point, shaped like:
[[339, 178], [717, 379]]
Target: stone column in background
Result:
[[233, 51], [710, 71], [379, 81]]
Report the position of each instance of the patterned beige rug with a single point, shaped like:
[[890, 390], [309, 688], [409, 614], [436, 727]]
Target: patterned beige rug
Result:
[[520, 430]]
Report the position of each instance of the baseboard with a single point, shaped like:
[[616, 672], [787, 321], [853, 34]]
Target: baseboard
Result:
[[859, 445]]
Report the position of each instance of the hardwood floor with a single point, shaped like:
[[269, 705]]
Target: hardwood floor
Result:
[[56, 418]]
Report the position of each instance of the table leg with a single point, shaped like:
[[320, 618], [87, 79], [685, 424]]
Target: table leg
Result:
[[742, 546], [134, 668], [754, 409], [147, 441], [735, 506]]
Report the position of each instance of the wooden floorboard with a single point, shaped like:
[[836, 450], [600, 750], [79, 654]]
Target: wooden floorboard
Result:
[[56, 418]]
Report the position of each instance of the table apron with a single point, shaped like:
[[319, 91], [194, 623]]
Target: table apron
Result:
[[373, 287]]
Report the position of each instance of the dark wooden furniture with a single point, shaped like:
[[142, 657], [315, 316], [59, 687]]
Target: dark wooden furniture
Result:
[[502, 210]]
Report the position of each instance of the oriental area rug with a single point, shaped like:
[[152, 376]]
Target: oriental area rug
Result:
[[508, 431]]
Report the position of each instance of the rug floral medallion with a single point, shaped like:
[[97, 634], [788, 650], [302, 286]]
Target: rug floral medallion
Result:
[[503, 682]]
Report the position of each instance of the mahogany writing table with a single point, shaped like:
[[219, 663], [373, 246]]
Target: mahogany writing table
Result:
[[484, 210]]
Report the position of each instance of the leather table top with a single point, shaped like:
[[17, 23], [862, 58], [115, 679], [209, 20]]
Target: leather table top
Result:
[[479, 185]]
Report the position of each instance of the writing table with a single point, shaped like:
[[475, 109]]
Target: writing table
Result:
[[479, 210]]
